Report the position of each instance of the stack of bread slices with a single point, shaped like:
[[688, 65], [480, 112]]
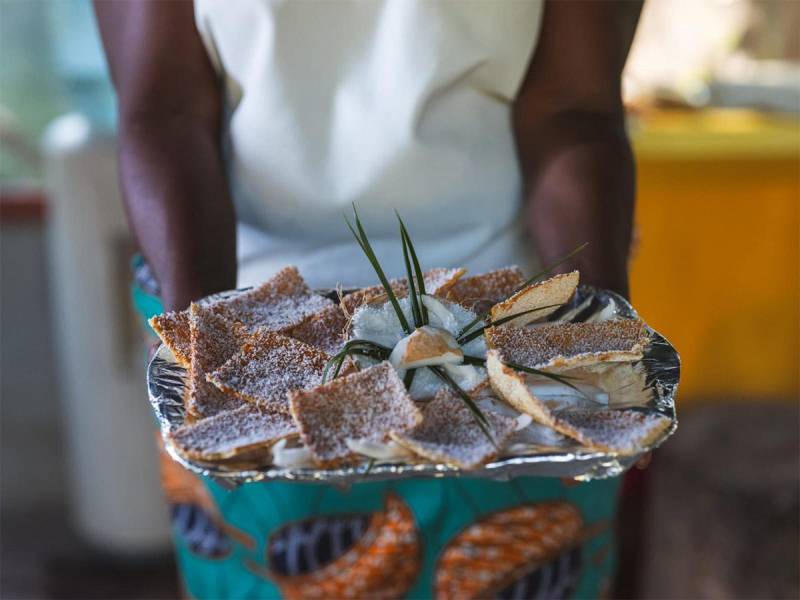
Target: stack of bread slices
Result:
[[255, 363]]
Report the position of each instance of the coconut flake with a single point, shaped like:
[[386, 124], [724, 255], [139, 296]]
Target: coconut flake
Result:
[[383, 451], [426, 347], [291, 458], [379, 323]]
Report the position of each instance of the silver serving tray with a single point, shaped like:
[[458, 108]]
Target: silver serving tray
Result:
[[166, 383]]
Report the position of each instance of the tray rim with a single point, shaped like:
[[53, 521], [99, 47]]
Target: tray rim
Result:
[[590, 464]]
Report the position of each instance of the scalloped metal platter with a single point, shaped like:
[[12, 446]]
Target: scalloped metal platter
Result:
[[166, 383]]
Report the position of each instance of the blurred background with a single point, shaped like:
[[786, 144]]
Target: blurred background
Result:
[[713, 88]]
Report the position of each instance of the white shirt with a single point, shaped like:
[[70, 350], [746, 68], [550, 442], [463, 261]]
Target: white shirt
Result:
[[388, 104]]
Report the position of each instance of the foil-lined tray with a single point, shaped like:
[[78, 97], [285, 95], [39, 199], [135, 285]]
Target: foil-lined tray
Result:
[[166, 382]]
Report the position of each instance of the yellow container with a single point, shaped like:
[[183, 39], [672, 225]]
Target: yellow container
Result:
[[716, 265]]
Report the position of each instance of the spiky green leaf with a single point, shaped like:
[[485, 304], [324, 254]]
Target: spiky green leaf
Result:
[[417, 268], [480, 418], [478, 332], [363, 241]]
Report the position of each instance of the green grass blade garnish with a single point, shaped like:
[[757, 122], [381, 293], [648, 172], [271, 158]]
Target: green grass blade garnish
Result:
[[563, 379], [360, 347], [370, 464], [481, 362], [480, 418], [473, 334], [412, 289], [547, 270], [508, 318], [471, 324], [363, 241], [417, 268], [409, 378], [521, 287], [337, 360], [474, 360]]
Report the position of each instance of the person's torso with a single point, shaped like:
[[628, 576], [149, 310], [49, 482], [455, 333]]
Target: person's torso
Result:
[[392, 104]]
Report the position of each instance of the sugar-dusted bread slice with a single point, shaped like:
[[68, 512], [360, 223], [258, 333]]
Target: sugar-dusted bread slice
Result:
[[437, 283], [233, 433], [561, 346], [279, 303], [214, 339], [551, 292], [367, 405], [173, 329], [284, 301], [324, 330], [267, 367], [479, 292], [512, 386], [450, 434], [625, 431]]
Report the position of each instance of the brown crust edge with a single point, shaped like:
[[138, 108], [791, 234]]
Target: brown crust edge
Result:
[[236, 452], [433, 456]]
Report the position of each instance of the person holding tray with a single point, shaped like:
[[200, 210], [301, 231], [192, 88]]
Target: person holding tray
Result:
[[495, 128]]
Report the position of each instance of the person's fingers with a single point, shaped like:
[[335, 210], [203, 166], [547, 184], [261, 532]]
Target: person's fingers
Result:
[[569, 482], [644, 461]]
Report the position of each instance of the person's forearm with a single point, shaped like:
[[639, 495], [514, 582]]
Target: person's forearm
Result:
[[580, 185], [170, 105], [178, 205]]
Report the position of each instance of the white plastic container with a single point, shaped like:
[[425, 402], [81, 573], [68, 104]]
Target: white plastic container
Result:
[[115, 499]]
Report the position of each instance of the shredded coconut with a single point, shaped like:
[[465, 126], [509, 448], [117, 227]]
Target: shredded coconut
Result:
[[379, 323]]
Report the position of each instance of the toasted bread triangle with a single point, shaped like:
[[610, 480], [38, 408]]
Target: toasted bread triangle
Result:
[[324, 330], [561, 346], [512, 387], [366, 405], [232, 433], [173, 329], [551, 293], [281, 302], [625, 431], [449, 433], [267, 367], [214, 341], [491, 288]]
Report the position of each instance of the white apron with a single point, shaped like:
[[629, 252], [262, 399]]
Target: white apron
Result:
[[392, 104]]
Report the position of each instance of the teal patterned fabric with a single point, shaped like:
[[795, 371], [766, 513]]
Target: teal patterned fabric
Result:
[[225, 551]]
